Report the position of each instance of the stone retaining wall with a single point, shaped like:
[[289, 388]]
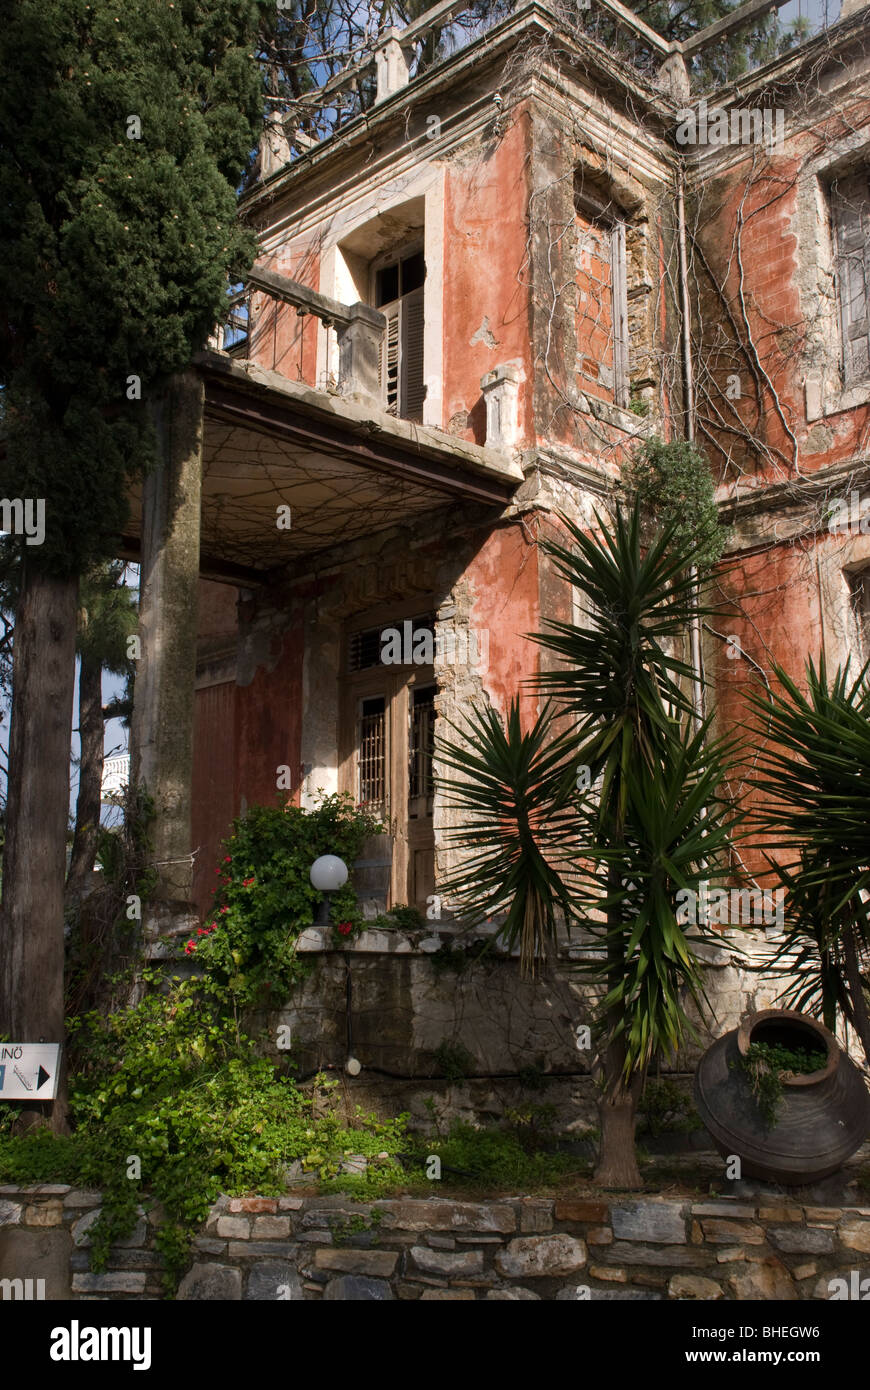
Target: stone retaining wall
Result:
[[522, 1248]]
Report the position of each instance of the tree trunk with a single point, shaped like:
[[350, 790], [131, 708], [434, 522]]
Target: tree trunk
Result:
[[617, 1113], [34, 854], [617, 1106], [860, 1018], [85, 839]]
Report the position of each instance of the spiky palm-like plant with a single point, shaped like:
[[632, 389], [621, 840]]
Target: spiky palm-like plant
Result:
[[611, 817], [516, 825], [814, 783]]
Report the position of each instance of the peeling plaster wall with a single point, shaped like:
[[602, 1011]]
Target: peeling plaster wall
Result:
[[485, 311], [786, 575], [496, 202], [781, 287], [281, 340], [214, 783], [246, 726], [579, 142]]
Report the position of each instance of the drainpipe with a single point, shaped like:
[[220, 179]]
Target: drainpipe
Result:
[[689, 431]]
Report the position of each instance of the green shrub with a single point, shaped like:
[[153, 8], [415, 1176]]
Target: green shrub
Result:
[[493, 1158], [674, 485], [454, 1062], [665, 1108], [246, 951], [767, 1064], [171, 1081]]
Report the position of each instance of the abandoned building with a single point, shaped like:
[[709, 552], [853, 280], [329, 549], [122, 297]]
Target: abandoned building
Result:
[[472, 301]]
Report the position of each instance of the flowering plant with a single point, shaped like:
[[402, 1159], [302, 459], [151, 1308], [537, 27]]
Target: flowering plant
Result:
[[264, 897]]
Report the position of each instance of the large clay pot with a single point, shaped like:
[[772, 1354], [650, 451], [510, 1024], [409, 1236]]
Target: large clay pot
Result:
[[822, 1117]]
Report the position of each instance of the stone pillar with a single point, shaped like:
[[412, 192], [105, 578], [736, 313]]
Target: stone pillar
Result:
[[673, 78], [359, 351], [162, 725], [500, 389], [274, 146], [392, 63]]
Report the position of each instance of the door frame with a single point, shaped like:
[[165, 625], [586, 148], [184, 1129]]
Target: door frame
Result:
[[394, 683]]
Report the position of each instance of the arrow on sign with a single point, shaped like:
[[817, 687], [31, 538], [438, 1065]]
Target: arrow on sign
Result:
[[41, 1077]]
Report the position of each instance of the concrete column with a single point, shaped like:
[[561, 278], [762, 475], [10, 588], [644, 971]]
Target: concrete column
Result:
[[500, 389], [359, 351], [162, 726], [392, 63], [274, 147], [673, 78]]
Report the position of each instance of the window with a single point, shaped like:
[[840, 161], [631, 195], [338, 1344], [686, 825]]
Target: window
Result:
[[398, 293], [602, 300], [850, 214], [859, 584]]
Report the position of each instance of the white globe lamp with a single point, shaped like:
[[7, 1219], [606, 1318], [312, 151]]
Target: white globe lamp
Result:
[[328, 873]]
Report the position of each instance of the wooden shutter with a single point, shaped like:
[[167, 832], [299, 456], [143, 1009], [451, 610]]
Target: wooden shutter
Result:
[[850, 204], [389, 366], [413, 390], [619, 303]]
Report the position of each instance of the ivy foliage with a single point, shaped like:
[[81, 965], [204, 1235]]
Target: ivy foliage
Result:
[[171, 1081], [124, 131], [246, 951]]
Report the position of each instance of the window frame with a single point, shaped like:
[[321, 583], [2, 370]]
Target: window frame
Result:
[[614, 220], [848, 381], [395, 256]]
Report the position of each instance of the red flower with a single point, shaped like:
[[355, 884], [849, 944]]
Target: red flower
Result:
[[201, 931], [190, 948], [228, 859], [246, 882], [345, 928], [223, 910]]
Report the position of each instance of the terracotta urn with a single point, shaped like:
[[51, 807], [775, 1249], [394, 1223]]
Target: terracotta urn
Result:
[[821, 1117]]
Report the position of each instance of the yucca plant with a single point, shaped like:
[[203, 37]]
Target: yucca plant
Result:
[[813, 783], [515, 824], [609, 817]]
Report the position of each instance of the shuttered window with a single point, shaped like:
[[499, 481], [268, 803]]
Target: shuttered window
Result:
[[602, 301], [859, 584], [389, 376], [850, 208], [413, 389], [399, 296]]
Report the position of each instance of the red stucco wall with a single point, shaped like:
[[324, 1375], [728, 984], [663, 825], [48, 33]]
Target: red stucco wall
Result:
[[485, 249]]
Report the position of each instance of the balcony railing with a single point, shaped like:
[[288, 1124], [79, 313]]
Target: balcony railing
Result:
[[358, 328], [396, 55]]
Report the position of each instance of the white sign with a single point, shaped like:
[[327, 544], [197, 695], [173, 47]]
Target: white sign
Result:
[[29, 1071]]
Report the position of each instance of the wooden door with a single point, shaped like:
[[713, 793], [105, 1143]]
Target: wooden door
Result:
[[388, 717]]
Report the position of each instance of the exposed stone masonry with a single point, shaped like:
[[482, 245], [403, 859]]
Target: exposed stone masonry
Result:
[[504, 1249]]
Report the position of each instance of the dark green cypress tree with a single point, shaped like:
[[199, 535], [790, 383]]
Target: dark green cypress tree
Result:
[[125, 129]]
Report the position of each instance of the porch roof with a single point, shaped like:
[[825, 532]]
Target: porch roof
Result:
[[345, 469]]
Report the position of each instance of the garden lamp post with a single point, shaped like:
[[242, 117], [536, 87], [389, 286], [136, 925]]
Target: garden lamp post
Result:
[[328, 874]]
